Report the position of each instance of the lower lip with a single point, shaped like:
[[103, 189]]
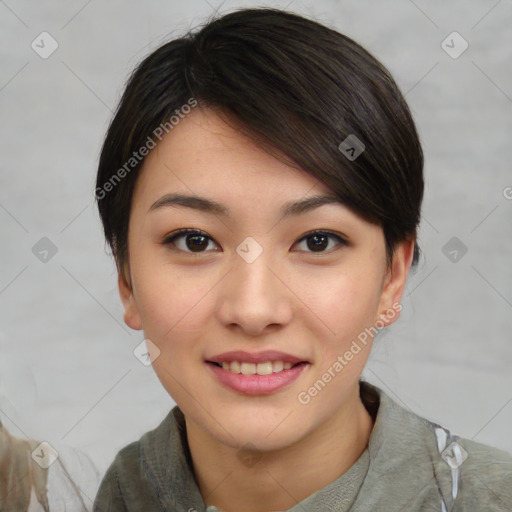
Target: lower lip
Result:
[[257, 384]]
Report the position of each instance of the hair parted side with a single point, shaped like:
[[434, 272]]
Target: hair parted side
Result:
[[296, 87]]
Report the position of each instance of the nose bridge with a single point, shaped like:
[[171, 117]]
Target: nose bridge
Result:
[[252, 270], [252, 266], [254, 297]]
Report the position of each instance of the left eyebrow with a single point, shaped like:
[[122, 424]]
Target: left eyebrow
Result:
[[292, 208]]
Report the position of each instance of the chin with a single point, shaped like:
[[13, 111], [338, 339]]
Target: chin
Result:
[[265, 430]]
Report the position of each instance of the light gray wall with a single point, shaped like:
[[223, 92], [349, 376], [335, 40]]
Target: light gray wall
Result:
[[68, 374]]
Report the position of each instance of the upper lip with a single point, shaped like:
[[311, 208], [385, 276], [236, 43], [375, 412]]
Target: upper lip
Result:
[[255, 357]]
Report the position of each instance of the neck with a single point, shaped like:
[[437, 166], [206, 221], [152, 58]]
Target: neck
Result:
[[316, 460]]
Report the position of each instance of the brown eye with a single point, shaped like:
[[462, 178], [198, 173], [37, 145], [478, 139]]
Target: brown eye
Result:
[[318, 241], [189, 240], [196, 241]]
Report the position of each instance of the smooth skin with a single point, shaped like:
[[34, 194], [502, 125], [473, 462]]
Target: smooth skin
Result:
[[196, 303]]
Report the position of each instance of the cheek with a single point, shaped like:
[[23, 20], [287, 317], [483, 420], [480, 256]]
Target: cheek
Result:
[[175, 308], [345, 311], [348, 303], [173, 302]]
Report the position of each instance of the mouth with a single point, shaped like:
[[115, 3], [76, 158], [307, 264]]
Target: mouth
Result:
[[256, 373]]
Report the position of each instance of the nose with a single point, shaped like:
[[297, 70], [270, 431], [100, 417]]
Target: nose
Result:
[[254, 297]]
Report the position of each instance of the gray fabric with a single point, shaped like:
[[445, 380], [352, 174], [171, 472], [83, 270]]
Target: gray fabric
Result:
[[337, 496], [410, 465]]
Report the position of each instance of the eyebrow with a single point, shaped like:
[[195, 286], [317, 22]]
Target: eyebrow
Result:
[[292, 208]]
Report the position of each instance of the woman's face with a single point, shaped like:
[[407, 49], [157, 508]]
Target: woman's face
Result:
[[252, 282]]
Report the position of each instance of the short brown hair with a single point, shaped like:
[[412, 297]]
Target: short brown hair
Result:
[[293, 84]]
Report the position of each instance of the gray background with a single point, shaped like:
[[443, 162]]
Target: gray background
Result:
[[67, 371]]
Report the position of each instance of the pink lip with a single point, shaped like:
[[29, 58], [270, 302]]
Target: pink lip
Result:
[[256, 384], [257, 357]]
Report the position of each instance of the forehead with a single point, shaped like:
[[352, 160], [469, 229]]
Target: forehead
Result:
[[203, 154]]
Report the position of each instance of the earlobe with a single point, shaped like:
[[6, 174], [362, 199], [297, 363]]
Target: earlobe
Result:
[[131, 312], [394, 283]]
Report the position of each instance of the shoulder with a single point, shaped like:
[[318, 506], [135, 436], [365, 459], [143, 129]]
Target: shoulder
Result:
[[485, 476], [462, 473], [473, 475], [128, 484]]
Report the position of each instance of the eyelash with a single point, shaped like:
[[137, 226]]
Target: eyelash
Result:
[[170, 240]]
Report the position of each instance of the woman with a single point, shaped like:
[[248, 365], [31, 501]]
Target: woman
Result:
[[260, 186]]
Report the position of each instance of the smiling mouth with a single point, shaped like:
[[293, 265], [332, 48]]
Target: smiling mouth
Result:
[[264, 368]]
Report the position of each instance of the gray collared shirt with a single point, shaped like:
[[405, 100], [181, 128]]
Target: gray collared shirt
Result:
[[410, 465]]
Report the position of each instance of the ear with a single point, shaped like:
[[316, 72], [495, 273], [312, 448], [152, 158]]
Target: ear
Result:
[[394, 282], [131, 311]]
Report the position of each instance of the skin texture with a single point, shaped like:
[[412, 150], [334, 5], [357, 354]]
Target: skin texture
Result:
[[293, 298]]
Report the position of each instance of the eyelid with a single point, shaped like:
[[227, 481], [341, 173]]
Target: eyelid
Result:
[[169, 239], [341, 239]]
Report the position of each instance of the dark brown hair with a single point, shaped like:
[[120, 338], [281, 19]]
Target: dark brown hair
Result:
[[292, 84]]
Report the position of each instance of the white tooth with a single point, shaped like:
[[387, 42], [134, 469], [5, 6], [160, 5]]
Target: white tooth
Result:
[[248, 368], [264, 368], [277, 366]]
